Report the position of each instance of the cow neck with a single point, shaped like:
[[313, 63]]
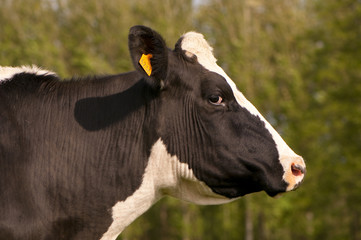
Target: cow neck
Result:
[[164, 175], [159, 174]]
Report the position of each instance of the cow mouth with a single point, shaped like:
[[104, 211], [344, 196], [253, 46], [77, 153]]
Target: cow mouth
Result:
[[276, 190]]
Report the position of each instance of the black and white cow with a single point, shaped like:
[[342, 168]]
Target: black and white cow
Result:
[[81, 159]]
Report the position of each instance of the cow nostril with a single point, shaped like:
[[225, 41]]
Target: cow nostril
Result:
[[297, 170]]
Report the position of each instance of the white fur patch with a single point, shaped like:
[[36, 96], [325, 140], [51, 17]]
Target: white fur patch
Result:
[[195, 43], [164, 175], [7, 73]]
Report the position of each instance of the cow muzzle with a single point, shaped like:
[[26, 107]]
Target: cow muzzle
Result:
[[295, 170]]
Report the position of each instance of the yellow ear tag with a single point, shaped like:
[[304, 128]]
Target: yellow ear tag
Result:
[[145, 63]]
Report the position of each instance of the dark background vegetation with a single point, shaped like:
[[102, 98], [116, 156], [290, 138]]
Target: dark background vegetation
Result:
[[298, 61]]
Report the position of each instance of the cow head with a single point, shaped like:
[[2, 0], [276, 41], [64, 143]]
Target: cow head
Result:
[[207, 124]]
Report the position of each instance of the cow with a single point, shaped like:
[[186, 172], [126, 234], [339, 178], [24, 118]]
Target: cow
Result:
[[82, 158]]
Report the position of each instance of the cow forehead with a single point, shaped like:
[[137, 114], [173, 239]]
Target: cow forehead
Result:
[[194, 44]]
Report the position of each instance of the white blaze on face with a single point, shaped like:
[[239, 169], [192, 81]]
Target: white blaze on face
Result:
[[195, 44], [8, 72]]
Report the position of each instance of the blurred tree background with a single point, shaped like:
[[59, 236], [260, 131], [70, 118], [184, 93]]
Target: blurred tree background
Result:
[[298, 61]]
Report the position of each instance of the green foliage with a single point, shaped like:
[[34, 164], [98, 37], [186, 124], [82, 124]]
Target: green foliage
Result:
[[298, 61]]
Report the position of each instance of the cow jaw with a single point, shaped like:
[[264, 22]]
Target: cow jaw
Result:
[[177, 179], [195, 44], [164, 175]]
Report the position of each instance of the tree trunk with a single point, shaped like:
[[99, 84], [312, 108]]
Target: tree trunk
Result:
[[248, 221], [261, 231]]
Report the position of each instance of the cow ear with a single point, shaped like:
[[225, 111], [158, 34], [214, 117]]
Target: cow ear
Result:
[[149, 54]]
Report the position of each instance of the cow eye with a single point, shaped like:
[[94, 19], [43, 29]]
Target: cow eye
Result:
[[216, 100]]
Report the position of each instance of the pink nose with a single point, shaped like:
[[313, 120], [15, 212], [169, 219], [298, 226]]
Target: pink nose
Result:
[[297, 170]]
